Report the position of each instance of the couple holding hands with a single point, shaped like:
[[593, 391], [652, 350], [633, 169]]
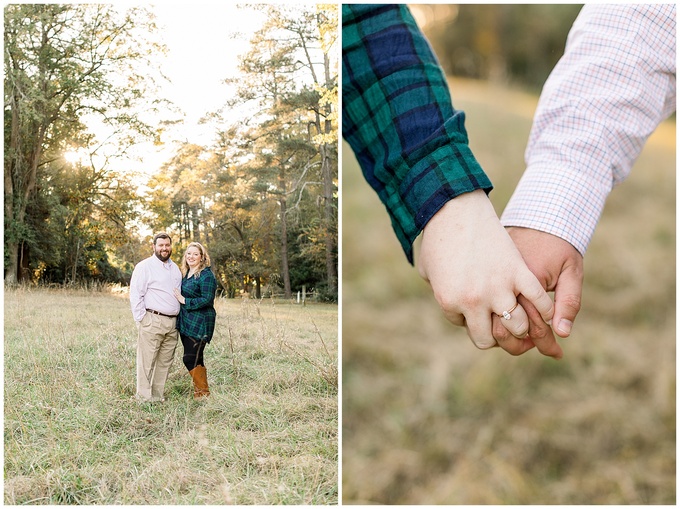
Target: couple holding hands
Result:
[[607, 94]]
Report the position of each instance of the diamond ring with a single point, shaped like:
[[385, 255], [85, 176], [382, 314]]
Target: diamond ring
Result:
[[506, 314]]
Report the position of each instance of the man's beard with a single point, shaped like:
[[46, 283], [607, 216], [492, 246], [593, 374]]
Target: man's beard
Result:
[[163, 258]]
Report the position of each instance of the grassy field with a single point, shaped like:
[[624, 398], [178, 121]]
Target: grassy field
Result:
[[268, 434], [429, 419]]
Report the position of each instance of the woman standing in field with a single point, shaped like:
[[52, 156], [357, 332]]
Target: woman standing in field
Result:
[[196, 319]]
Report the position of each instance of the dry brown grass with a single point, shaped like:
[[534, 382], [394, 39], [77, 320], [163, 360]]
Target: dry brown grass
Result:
[[73, 434], [429, 419]]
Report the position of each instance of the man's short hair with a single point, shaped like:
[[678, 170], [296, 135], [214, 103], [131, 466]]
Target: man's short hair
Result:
[[161, 235]]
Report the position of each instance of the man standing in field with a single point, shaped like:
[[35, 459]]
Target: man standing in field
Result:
[[155, 310]]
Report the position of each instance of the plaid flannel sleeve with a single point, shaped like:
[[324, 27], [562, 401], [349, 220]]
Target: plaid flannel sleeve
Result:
[[398, 118]]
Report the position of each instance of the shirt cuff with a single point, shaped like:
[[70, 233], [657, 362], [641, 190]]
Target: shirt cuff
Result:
[[440, 176], [138, 314], [562, 202]]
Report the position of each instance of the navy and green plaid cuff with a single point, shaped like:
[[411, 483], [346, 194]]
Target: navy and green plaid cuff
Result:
[[398, 118]]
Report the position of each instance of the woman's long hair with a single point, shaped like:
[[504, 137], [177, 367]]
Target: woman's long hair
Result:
[[205, 259]]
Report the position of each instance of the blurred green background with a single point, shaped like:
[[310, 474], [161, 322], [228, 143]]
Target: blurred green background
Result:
[[428, 418], [512, 44]]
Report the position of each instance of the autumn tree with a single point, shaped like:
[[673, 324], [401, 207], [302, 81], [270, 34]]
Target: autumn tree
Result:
[[315, 38], [181, 193], [91, 208], [67, 65], [290, 75], [263, 195]]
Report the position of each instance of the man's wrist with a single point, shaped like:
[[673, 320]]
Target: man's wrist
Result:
[[523, 231]]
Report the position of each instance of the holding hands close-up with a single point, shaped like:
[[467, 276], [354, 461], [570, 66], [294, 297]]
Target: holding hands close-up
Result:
[[483, 279], [559, 102], [421, 166]]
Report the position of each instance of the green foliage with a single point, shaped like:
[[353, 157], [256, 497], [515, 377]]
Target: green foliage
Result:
[[68, 221], [64, 64], [517, 44], [248, 196]]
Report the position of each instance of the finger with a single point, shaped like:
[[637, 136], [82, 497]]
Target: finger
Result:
[[540, 333], [529, 286], [495, 345], [507, 341], [567, 301], [516, 321], [454, 317], [479, 330]]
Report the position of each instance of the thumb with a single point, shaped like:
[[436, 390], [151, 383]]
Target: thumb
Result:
[[567, 301]]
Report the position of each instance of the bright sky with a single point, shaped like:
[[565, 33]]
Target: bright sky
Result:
[[202, 52]]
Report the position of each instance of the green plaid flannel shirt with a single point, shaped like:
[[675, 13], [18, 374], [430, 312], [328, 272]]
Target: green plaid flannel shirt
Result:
[[398, 118], [196, 317]]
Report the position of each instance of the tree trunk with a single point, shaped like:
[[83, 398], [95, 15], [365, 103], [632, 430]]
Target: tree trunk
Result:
[[285, 271], [13, 274], [331, 269], [258, 287], [75, 263], [11, 245], [12, 269], [21, 170], [329, 217], [196, 224], [24, 258]]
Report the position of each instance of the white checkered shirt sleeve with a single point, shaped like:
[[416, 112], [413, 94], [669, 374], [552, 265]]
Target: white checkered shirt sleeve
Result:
[[611, 89]]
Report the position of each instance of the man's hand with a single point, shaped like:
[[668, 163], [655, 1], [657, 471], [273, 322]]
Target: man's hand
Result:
[[475, 271], [559, 268]]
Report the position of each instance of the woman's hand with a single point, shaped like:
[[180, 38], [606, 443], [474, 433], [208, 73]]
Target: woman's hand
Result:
[[178, 296], [476, 272]]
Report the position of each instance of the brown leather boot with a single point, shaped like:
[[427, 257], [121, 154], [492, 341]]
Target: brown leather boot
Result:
[[200, 378]]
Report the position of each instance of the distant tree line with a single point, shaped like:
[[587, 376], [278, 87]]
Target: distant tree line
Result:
[[507, 43], [263, 197]]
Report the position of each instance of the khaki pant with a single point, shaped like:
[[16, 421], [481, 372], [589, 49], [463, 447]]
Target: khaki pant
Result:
[[156, 342]]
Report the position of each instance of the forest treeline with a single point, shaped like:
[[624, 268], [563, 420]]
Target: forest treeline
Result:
[[513, 44], [262, 196]]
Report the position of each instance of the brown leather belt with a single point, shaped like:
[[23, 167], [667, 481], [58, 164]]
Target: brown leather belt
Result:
[[162, 314]]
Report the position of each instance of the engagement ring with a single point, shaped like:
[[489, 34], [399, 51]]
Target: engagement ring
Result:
[[506, 314]]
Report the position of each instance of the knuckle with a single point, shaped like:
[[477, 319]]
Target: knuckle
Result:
[[515, 352], [514, 348], [521, 329], [537, 331], [498, 331], [471, 300], [455, 302], [446, 301], [572, 302]]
